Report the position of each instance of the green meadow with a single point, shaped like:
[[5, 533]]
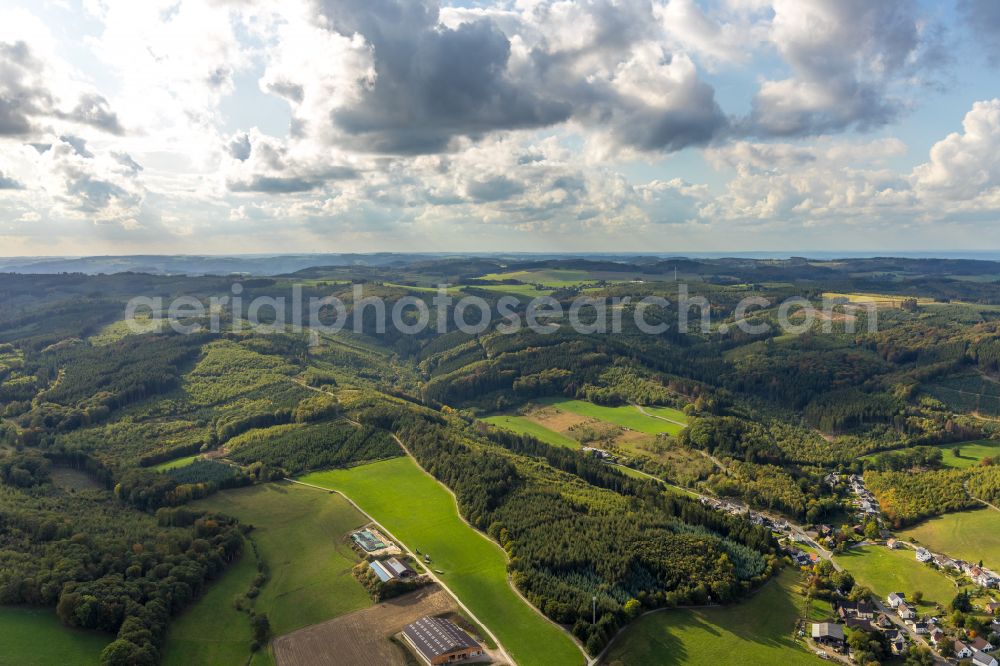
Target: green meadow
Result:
[[302, 536], [212, 631], [628, 416], [525, 426], [883, 571], [759, 631], [176, 462], [35, 637], [970, 453], [967, 535], [418, 510]]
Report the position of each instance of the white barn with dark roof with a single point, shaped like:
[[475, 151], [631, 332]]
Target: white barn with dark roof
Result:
[[440, 641]]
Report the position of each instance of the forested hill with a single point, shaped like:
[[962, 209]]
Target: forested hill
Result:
[[760, 418]]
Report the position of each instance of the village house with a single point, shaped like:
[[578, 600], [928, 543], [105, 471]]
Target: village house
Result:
[[905, 612], [862, 610], [897, 640], [980, 644], [891, 544], [895, 598], [962, 651], [924, 555], [993, 607], [936, 637]]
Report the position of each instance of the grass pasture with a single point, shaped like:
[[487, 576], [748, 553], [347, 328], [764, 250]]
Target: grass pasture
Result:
[[627, 416], [884, 571], [967, 535], [757, 632], [525, 426], [211, 630], [35, 637], [418, 510], [970, 453], [176, 463], [299, 533]]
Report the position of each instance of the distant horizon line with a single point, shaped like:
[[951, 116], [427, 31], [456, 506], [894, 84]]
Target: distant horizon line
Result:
[[852, 254]]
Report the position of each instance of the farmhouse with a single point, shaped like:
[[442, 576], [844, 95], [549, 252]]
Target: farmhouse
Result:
[[983, 659], [861, 610], [962, 651], [828, 633], [897, 640], [980, 644], [993, 607], [924, 555], [895, 598], [440, 641], [891, 544]]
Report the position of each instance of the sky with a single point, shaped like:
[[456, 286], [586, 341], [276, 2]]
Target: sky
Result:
[[260, 126]]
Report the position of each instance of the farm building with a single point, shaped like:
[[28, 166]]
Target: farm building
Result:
[[983, 659], [369, 540], [399, 569], [440, 641], [828, 633], [381, 571]]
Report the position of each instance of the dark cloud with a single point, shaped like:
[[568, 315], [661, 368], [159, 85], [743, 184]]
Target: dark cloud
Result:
[[493, 189], [7, 183], [983, 18], [89, 193], [845, 56], [432, 83], [93, 109], [274, 184], [239, 147], [126, 161], [24, 99], [20, 97], [79, 145]]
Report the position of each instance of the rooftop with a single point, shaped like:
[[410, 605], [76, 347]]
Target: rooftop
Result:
[[435, 636]]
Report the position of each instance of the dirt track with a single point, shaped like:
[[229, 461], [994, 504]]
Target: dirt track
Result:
[[361, 638]]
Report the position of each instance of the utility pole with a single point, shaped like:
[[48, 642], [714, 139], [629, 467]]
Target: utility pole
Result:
[[595, 611]]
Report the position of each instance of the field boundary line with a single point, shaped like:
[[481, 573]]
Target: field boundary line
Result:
[[656, 416], [430, 573]]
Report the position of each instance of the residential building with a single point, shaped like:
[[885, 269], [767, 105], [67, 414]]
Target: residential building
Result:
[[980, 644], [895, 598]]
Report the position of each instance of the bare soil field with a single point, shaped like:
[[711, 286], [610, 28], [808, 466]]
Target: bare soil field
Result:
[[554, 419], [361, 638]]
